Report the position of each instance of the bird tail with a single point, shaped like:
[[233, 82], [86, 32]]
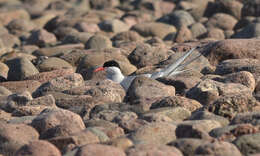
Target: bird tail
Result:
[[176, 67]]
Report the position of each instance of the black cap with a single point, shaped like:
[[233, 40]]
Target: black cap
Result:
[[111, 63]]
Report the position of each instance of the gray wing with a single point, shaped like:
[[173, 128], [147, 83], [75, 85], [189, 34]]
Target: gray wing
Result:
[[127, 82], [176, 67]]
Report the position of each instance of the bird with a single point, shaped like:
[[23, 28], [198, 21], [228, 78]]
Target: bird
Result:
[[113, 70]]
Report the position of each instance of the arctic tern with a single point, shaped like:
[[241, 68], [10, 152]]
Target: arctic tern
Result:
[[113, 71]]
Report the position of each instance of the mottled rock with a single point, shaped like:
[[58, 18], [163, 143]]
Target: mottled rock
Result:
[[40, 148], [35, 106], [112, 130], [87, 27], [229, 105], [183, 35], [252, 30], [181, 83], [137, 92], [114, 25], [76, 139], [102, 4], [205, 125], [60, 83], [191, 131], [47, 76], [178, 18], [205, 115], [4, 91], [98, 42], [207, 91], [218, 148], [41, 37], [237, 65], [57, 122], [177, 101], [198, 30], [13, 136], [4, 116], [188, 146], [242, 77], [248, 144], [197, 8], [233, 49], [99, 149], [20, 26], [145, 55], [9, 40], [20, 68], [157, 133], [222, 21], [122, 143], [154, 29], [3, 70], [20, 86], [9, 15], [127, 36], [248, 117], [152, 149], [77, 38], [174, 113], [232, 132], [53, 63], [251, 8], [215, 33]]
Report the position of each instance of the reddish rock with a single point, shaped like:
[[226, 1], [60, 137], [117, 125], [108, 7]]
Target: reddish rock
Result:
[[237, 65], [98, 42], [218, 148], [59, 50], [99, 150], [188, 146], [35, 106], [222, 21], [242, 77], [216, 33], [177, 101], [87, 27], [183, 35], [39, 148], [157, 133], [153, 150], [60, 84], [53, 63], [137, 93], [145, 55], [47, 76], [20, 86], [233, 49], [160, 30], [20, 68], [3, 70], [229, 105], [13, 136], [9, 15], [174, 113], [57, 122], [41, 37], [77, 139], [112, 130]]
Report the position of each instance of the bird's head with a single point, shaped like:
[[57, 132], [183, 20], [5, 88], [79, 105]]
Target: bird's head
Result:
[[111, 67]]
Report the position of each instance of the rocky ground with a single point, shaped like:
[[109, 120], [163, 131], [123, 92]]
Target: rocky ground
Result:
[[52, 104]]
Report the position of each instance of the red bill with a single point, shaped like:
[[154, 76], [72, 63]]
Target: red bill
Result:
[[99, 69]]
